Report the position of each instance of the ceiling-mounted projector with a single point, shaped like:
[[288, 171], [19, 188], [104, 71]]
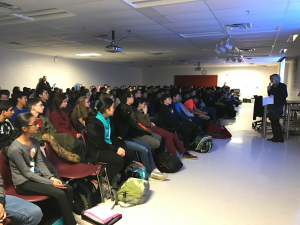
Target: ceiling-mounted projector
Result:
[[198, 67], [113, 48]]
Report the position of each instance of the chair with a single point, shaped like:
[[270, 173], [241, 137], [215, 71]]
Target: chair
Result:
[[100, 165], [9, 187], [258, 111], [70, 170]]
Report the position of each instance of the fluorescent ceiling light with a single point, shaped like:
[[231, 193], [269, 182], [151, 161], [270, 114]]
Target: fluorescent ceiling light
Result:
[[238, 65], [23, 17], [283, 50], [194, 35], [88, 54], [292, 38]]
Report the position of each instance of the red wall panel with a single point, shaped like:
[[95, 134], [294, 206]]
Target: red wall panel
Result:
[[196, 80]]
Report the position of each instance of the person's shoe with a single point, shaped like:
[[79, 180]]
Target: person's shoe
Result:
[[187, 155], [204, 117], [158, 175], [271, 139]]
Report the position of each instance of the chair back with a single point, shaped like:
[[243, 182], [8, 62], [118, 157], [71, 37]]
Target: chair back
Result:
[[54, 158], [84, 137], [5, 174]]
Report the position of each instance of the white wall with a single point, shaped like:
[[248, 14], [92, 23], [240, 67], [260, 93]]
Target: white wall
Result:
[[24, 69], [251, 80], [293, 78]]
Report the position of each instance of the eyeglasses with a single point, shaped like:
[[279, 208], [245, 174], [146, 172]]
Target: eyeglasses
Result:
[[35, 123]]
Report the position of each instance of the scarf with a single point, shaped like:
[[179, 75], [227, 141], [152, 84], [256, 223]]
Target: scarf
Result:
[[107, 129]]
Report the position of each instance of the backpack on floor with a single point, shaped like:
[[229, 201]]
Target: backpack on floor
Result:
[[85, 195], [133, 192], [167, 163], [223, 134], [202, 144], [137, 170]]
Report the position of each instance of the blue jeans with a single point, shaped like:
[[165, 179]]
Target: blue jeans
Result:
[[144, 150], [80, 149], [22, 212], [211, 112]]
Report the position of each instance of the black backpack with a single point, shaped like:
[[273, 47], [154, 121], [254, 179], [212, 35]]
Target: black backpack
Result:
[[167, 163], [85, 195]]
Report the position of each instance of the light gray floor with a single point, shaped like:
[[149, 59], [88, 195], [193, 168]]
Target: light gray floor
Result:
[[243, 181]]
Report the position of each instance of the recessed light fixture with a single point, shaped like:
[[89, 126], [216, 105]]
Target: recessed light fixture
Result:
[[88, 54], [292, 38]]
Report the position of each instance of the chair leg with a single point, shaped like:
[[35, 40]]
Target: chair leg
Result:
[[109, 187], [100, 189]]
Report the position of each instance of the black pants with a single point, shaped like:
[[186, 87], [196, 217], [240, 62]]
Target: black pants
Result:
[[80, 149], [188, 130], [118, 164], [64, 197], [276, 129]]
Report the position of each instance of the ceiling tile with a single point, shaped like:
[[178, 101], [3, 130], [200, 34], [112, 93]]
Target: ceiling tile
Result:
[[231, 4], [116, 16], [253, 11], [192, 24], [96, 7], [181, 8], [205, 15]]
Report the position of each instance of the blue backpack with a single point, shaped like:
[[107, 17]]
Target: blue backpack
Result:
[[137, 170]]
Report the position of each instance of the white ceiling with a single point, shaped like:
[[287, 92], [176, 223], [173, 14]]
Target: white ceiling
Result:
[[157, 29]]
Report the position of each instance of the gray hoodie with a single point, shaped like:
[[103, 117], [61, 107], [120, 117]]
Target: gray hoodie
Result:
[[2, 194], [19, 162]]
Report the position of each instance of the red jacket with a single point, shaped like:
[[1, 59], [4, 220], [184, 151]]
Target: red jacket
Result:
[[62, 126]]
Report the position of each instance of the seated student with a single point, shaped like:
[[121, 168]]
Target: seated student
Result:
[[190, 105], [80, 112], [4, 95], [69, 108], [169, 117], [19, 211], [99, 96], [170, 139], [218, 94], [123, 130], [137, 132], [44, 96], [208, 98], [176, 104], [30, 175], [20, 100], [62, 123], [65, 140], [102, 144], [6, 113], [137, 93], [186, 96]]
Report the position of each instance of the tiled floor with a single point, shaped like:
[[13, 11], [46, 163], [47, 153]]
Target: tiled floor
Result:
[[243, 181]]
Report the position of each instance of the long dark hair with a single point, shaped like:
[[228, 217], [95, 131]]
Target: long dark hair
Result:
[[57, 101], [22, 120], [104, 104]]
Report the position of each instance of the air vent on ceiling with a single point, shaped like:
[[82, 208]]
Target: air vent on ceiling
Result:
[[238, 26], [39, 15], [152, 3]]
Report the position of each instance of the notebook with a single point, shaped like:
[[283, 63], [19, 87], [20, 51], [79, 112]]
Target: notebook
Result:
[[101, 215]]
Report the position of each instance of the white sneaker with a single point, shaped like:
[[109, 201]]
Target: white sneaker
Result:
[[158, 175]]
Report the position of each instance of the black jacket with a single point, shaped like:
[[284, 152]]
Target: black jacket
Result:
[[42, 85], [280, 94], [95, 139], [169, 115], [5, 134], [208, 100], [125, 126]]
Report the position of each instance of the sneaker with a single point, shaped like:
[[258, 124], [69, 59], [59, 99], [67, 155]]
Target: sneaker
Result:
[[187, 155], [204, 117], [158, 175]]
